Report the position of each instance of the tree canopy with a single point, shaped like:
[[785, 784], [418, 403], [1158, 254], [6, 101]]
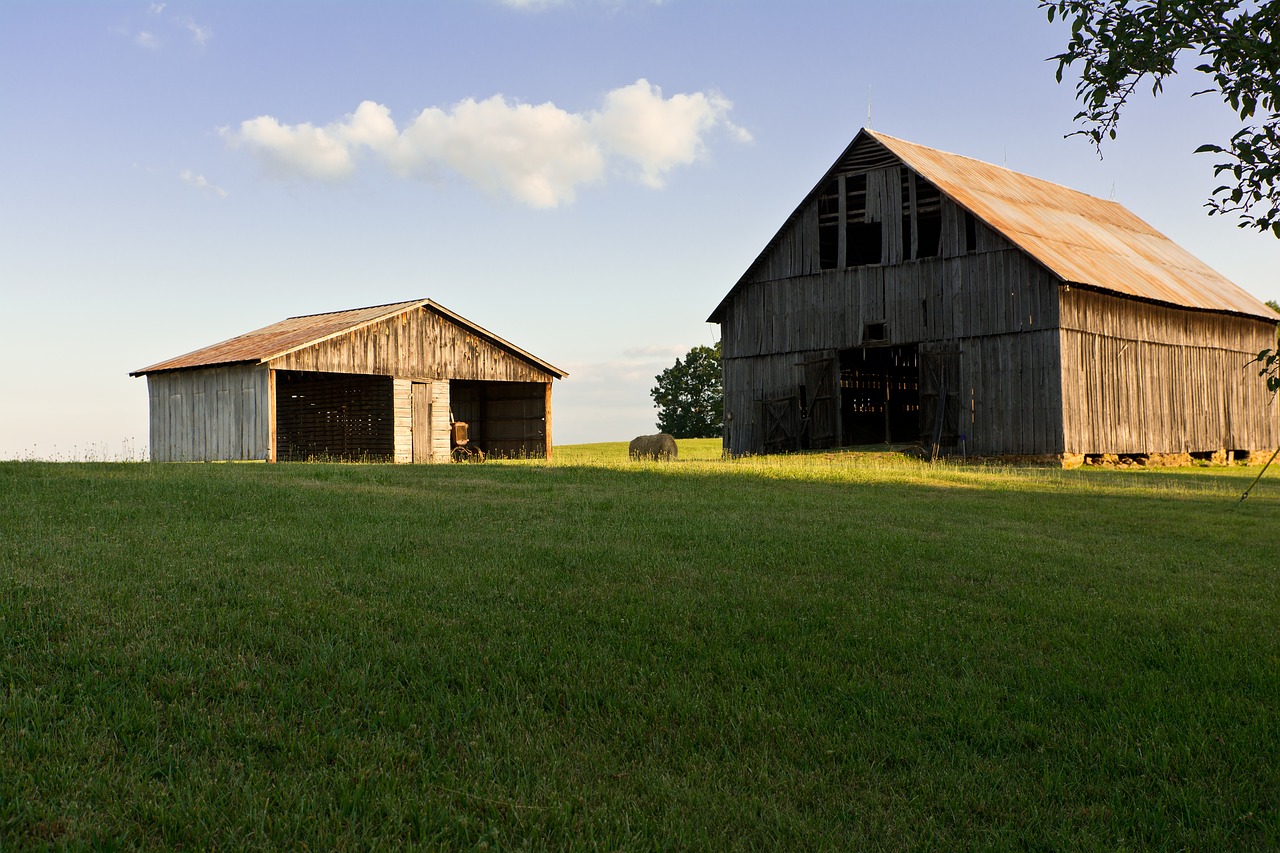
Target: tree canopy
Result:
[[1120, 45], [690, 395]]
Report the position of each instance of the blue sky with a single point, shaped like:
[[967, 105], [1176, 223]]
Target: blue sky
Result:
[[585, 178]]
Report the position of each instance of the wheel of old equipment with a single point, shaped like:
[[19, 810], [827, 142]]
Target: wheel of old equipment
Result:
[[461, 454]]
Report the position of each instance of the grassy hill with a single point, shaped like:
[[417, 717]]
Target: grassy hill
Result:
[[832, 651]]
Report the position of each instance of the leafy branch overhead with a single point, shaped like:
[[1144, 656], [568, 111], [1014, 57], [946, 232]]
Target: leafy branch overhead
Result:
[[1120, 45], [690, 395]]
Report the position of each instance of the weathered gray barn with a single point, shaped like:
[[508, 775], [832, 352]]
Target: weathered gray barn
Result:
[[916, 295], [378, 383]]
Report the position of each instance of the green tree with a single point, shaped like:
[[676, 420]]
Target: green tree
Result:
[[1120, 45], [690, 395]]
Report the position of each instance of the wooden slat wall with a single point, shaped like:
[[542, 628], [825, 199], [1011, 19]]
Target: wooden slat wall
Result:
[[441, 439], [335, 415], [419, 345], [1140, 378], [402, 412], [986, 293], [220, 413]]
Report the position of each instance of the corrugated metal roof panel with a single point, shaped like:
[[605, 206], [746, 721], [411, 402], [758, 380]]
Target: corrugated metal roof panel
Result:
[[1083, 239], [295, 333]]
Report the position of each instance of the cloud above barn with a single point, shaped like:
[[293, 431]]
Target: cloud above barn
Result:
[[537, 154]]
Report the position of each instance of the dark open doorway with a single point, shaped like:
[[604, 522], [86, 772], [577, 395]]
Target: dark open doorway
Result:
[[879, 395]]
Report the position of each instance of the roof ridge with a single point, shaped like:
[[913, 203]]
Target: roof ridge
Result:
[[350, 310]]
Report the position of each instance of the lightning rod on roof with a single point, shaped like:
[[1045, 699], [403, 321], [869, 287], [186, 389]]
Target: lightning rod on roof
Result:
[[868, 105]]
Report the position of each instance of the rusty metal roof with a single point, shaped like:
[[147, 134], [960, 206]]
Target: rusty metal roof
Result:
[[295, 333], [1081, 239]]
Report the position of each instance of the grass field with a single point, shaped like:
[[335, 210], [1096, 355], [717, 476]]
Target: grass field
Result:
[[845, 652]]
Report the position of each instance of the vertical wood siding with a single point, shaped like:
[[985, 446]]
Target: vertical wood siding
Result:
[[441, 437], [419, 345], [219, 413], [402, 412], [1140, 378]]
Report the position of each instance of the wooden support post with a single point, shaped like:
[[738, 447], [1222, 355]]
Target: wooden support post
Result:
[[547, 411], [271, 415]]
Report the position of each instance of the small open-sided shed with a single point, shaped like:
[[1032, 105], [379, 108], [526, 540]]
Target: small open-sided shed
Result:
[[380, 383]]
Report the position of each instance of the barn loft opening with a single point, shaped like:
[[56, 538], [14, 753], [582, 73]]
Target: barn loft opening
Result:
[[928, 208], [879, 395], [970, 233], [829, 225]]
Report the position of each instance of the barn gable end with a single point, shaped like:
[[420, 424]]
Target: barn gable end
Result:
[[918, 296]]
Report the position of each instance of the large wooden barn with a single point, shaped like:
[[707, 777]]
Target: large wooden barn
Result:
[[381, 383], [916, 295]]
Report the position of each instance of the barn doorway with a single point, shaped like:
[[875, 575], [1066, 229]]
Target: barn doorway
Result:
[[880, 395]]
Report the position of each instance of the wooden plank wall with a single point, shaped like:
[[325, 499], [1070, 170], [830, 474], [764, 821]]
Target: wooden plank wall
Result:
[[985, 293], [1011, 394], [441, 438], [419, 345], [1142, 378], [402, 412], [220, 413]]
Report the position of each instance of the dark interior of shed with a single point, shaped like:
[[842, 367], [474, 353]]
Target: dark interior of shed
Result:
[[504, 419]]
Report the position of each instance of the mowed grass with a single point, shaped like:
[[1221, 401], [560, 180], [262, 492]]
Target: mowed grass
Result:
[[831, 651]]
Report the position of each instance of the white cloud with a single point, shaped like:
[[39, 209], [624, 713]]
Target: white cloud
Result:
[[659, 133], [199, 34], [190, 178], [161, 23], [538, 154], [301, 149]]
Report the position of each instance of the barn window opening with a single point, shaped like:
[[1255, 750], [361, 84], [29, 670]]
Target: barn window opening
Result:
[[924, 312], [861, 238], [829, 226], [970, 233], [928, 209], [862, 243], [875, 333]]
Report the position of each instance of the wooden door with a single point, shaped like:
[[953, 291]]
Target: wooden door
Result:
[[421, 405], [939, 400], [822, 384], [780, 421]]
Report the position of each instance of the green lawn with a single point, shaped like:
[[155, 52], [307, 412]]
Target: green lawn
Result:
[[852, 651]]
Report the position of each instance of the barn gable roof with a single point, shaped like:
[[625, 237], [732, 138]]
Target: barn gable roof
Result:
[[295, 333], [1081, 239]]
